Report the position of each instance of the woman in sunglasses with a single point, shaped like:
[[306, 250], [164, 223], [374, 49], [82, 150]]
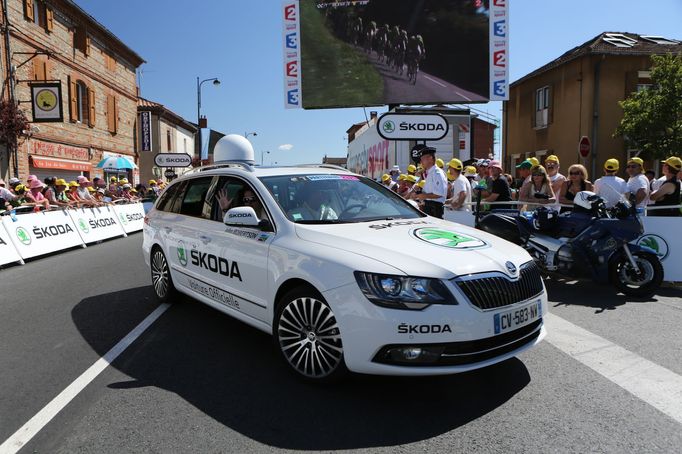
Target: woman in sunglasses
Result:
[[577, 181], [539, 191]]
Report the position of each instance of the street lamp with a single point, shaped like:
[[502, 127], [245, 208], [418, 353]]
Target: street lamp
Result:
[[247, 134], [261, 156], [216, 82]]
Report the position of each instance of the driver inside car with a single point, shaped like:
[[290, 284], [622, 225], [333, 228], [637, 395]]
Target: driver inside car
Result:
[[313, 206]]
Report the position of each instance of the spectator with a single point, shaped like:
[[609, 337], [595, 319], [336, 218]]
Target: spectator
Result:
[[153, 188], [512, 186], [5, 195], [577, 182], [470, 175], [539, 191], [143, 192], [650, 175], [555, 178], [410, 181], [440, 163], [395, 173], [460, 198], [48, 188], [60, 198], [499, 189], [83, 191], [13, 182], [72, 195], [19, 197], [411, 169], [523, 170], [126, 194], [436, 186], [35, 194], [611, 187], [638, 184], [389, 183], [113, 185], [669, 192]]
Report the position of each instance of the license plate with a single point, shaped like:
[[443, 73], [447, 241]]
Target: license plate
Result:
[[510, 320]]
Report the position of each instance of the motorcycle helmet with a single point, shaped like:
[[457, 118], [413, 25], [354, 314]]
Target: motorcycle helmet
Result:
[[587, 202], [545, 219]]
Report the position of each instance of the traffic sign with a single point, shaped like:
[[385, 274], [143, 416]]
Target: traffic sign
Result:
[[410, 126], [173, 160], [169, 174], [584, 146]]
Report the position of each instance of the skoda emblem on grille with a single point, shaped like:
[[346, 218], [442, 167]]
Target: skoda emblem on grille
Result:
[[510, 267]]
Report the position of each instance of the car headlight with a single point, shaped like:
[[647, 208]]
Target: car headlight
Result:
[[403, 292]]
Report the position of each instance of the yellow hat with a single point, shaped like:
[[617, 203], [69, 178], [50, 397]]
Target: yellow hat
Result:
[[411, 168], [61, 182], [385, 177], [411, 178], [674, 162], [612, 165], [91, 189], [421, 183], [636, 160], [19, 188], [534, 161], [113, 179], [123, 181], [552, 158], [451, 177], [455, 164], [73, 184], [470, 171], [402, 177], [440, 163], [151, 182], [133, 190]]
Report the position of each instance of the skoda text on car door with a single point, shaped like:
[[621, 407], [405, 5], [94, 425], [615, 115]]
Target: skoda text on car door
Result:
[[316, 256]]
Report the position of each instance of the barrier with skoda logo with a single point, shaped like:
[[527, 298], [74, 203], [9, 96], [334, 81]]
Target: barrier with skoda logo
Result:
[[97, 224], [130, 216], [8, 253], [42, 233]]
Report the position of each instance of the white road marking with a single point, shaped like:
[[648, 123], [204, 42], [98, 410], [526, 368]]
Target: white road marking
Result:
[[435, 81], [49, 411], [657, 386]]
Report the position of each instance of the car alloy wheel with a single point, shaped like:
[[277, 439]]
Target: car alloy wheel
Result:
[[160, 274], [309, 337]]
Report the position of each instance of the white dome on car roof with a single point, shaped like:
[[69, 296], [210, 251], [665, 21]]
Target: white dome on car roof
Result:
[[234, 147]]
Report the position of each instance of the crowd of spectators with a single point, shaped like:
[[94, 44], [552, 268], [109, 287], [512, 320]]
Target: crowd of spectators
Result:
[[57, 193], [539, 185]]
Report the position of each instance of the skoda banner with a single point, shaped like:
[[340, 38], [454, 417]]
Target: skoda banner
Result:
[[41, 233], [96, 224], [130, 216], [403, 126], [8, 253]]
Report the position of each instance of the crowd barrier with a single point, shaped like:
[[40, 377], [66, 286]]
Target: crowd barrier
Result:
[[30, 235], [659, 235]]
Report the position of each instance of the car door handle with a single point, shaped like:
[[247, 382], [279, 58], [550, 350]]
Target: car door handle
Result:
[[204, 239]]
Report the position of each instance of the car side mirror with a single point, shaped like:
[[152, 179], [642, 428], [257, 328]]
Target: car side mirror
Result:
[[241, 217]]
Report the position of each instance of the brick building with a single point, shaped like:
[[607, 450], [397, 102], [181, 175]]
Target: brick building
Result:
[[168, 133], [55, 40], [577, 95]]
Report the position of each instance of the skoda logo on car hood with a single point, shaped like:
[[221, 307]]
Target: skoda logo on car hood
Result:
[[510, 267], [448, 238]]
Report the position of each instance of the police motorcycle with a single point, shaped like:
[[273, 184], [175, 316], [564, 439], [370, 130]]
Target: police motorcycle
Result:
[[591, 241]]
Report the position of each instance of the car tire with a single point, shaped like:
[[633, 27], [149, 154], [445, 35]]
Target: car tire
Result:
[[162, 282], [308, 338]]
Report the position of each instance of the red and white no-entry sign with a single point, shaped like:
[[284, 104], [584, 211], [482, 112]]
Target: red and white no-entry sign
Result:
[[584, 146]]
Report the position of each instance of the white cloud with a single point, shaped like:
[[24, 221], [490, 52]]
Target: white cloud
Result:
[[285, 147]]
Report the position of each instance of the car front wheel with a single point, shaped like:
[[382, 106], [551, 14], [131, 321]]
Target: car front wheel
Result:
[[161, 278], [308, 336]]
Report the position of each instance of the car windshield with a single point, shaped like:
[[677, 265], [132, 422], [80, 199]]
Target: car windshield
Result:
[[334, 198]]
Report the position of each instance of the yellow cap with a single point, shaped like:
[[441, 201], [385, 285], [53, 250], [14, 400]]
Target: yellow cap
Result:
[[91, 189], [19, 188], [73, 184], [552, 158], [421, 183], [534, 161], [411, 178], [402, 177], [611, 165], [440, 163], [123, 181], [674, 162], [151, 182], [113, 179], [385, 177], [133, 190], [455, 164], [636, 160], [411, 168], [61, 182], [470, 171], [451, 177]]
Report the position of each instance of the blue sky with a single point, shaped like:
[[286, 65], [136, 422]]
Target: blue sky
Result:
[[240, 43]]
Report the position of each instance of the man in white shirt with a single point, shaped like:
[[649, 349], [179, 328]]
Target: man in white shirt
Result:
[[638, 183], [436, 187], [461, 188], [555, 178], [611, 187]]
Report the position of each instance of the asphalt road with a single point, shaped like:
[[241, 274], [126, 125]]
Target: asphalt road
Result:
[[428, 88], [199, 381]]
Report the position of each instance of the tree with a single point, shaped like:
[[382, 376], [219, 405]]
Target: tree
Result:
[[652, 118]]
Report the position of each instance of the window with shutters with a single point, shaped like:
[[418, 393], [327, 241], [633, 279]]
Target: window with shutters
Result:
[[82, 105], [81, 40], [109, 61], [41, 69], [542, 107], [39, 13], [112, 114]]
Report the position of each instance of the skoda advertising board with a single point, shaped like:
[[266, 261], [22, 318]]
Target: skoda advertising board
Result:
[[130, 216], [8, 253], [375, 52], [96, 224], [41, 233]]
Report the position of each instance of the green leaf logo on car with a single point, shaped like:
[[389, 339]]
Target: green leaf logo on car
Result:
[[448, 238], [182, 254], [23, 235]]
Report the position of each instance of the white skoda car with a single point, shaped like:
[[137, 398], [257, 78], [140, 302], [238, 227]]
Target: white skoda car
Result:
[[343, 273]]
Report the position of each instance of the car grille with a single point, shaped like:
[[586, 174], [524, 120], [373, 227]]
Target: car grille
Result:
[[499, 291]]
